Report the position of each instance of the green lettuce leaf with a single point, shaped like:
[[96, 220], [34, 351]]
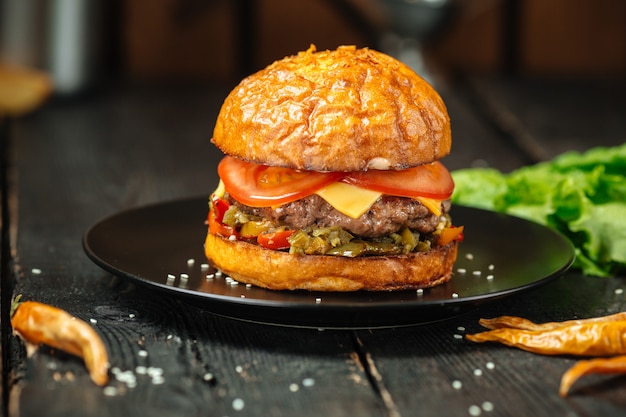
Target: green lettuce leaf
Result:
[[582, 195]]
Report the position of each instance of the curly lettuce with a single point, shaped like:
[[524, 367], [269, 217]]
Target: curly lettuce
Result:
[[582, 195]]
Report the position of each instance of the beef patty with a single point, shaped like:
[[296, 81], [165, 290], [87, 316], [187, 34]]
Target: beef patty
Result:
[[387, 215]]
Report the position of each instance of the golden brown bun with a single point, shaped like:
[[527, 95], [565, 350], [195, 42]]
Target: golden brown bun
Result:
[[252, 264], [344, 110]]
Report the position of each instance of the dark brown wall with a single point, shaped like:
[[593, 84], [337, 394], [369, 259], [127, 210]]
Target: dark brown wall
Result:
[[211, 39]]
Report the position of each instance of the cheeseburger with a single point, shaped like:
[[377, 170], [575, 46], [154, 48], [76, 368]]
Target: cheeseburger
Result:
[[331, 179]]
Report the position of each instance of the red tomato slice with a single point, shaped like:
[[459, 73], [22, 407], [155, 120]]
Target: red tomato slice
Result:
[[276, 240], [262, 186], [220, 229], [429, 180]]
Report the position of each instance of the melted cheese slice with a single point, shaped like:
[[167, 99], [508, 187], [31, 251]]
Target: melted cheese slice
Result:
[[353, 201], [431, 204], [220, 190], [349, 199]]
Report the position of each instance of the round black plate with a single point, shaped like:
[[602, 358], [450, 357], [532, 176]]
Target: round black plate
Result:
[[161, 247]]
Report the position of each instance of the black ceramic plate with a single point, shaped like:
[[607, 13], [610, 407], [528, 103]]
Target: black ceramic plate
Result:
[[161, 247]]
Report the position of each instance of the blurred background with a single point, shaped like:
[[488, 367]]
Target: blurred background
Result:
[[85, 43]]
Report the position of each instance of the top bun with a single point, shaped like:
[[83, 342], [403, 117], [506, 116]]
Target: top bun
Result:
[[344, 110]]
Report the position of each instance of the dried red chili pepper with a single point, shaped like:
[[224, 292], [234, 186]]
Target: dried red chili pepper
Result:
[[587, 339], [614, 365], [597, 336], [39, 323], [512, 322]]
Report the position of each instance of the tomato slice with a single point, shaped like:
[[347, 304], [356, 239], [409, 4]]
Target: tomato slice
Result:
[[220, 229], [429, 180], [262, 186], [276, 240]]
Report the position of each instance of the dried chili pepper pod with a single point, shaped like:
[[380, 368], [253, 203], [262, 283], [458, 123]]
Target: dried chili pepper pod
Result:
[[614, 365], [512, 322], [586, 339], [39, 323]]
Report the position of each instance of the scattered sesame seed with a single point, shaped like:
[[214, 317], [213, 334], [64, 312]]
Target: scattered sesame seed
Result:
[[171, 276], [619, 291], [477, 273], [461, 270], [127, 377], [233, 282], [248, 285], [158, 380], [318, 300], [110, 391], [461, 328], [308, 382], [478, 372], [36, 271], [93, 321], [218, 274], [232, 238], [490, 365], [420, 291], [455, 295], [131, 315], [490, 277], [210, 276], [491, 267], [474, 410], [191, 262], [184, 276], [143, 353], [242, 296], [294, 387], [208, 377], [238, 404], [141, 370], [204, 267], [238, 369], [487, 406], [169, 337], [457, 336], [469, 256], [456, 384]]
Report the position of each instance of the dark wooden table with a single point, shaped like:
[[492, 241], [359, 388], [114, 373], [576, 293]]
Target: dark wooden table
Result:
[[75, 162]]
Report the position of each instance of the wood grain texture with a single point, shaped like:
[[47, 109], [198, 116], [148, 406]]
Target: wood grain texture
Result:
[[514, 382]]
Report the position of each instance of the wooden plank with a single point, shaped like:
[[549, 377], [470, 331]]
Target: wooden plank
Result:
[[545, 117], [433, 370], [474, 142]]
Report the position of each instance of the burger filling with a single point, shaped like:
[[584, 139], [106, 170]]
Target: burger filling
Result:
[[349, 214]]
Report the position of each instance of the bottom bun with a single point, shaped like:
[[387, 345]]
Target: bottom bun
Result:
[[252, 264]]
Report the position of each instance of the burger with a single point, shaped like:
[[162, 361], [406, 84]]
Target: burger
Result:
[[331, 179]]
